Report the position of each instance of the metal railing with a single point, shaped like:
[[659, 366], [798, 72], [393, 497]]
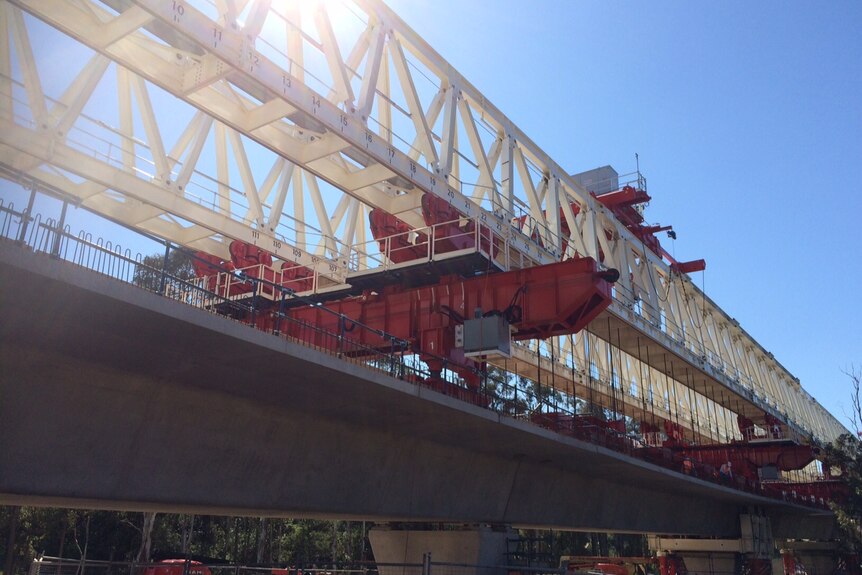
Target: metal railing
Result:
[[437, 242], [46, 565]]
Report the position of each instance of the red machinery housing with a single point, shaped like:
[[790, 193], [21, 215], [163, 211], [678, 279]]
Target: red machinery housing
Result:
[[623, 203], [448, 230], [231, 279], [755, 463], [397, 239], [177, 567], [537, 303], [664, 564]]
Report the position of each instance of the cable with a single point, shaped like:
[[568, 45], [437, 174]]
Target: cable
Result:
[[611, 366], [688, 304], [620, 361], [588, 347], [671, 380], [652, 281], [692, 407], [445, 309], [574, 389]]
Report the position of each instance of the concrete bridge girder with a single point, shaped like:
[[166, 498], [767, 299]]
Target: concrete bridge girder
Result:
[[114, 397]]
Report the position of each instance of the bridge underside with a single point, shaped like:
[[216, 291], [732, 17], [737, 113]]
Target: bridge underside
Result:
[[114, 397]]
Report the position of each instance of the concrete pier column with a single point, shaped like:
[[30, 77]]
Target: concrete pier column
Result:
[[753, 549], [478, 545], [810, 556]]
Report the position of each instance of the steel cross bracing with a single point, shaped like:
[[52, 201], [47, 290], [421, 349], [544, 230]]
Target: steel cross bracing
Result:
[[282, 124]]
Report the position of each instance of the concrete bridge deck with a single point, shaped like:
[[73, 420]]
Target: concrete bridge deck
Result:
[[115, 397]]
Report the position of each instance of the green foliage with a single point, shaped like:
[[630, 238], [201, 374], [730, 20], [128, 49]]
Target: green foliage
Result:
[[307, 541], [116, 536], [517, 395], [252, 540], [67, 533], [845, 454], [148, 273], [545, 548]]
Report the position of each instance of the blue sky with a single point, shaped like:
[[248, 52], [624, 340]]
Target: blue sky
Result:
[[747, 117]]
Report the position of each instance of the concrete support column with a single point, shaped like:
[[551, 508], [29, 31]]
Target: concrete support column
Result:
[[396, 550], [755, 548], [810, 556]]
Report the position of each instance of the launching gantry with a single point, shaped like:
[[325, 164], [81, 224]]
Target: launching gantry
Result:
[[330, 140]]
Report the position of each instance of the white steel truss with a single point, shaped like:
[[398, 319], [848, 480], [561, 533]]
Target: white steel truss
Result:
[[283, 124]]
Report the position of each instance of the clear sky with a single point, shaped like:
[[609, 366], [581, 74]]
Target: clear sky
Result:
[[747, 117]]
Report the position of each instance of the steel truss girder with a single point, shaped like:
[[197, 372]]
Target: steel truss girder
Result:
[[52, 132], [237, 53]]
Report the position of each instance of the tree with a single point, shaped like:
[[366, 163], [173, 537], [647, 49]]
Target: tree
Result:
[[515, 394], [146, 531], [845, 454], [148, 273], [14, 514]]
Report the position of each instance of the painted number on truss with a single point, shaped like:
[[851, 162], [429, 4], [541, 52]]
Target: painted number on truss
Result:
[[179, 9], [253, 60], [217, 32]]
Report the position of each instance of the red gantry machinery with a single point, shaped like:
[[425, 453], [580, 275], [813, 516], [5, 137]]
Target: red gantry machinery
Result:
[[444, 323], [625, 203]]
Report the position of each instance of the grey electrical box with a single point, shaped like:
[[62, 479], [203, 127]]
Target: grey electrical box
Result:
[[599, 180], [487, 336], [769, 473]]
